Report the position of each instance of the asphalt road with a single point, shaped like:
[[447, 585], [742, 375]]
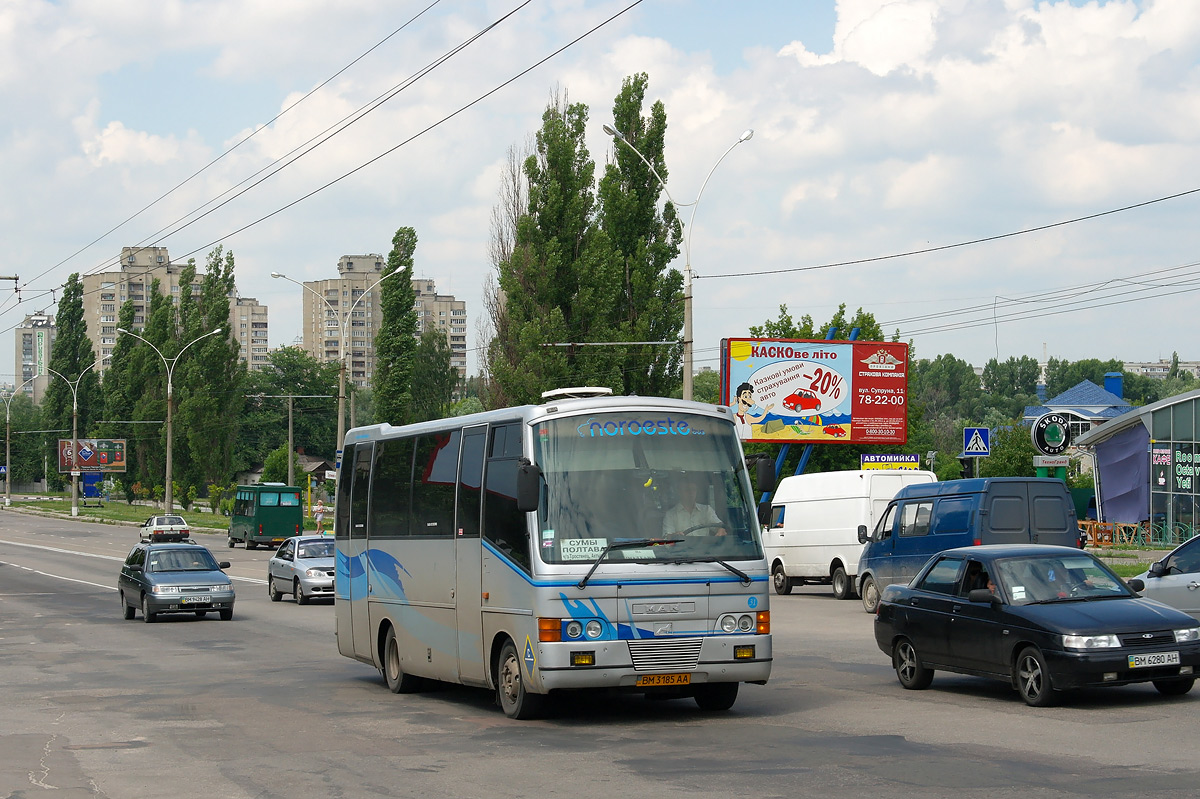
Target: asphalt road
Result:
[[263, 706]]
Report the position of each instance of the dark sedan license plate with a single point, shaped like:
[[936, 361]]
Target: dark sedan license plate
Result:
[[1154, 659], [654, 680], [199, 599]]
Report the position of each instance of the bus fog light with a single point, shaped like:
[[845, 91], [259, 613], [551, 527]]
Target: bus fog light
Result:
[[746, 623], [583, 658], [593, 629], [743, 652], [728, 624], [574, 629]]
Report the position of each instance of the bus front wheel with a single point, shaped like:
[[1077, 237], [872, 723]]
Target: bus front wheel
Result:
[[510, 687], [397, 681], [716, 695]]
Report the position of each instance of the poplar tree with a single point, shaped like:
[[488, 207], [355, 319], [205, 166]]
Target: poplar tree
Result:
[[395, 343], [646, 240], [70, 356], [434, 377]]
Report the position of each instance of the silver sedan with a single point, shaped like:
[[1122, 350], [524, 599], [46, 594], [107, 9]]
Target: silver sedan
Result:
[[303, 567]]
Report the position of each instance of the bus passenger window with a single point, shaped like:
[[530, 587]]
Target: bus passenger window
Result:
[[503, 525]]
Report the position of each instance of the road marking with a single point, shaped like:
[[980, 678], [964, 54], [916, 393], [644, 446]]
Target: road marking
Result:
[[251, 580]]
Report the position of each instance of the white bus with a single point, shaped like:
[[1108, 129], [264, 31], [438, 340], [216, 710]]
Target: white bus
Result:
[[531, 550]]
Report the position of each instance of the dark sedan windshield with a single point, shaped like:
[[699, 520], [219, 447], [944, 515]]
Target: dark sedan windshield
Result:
[[180, 560], [1057, 578]]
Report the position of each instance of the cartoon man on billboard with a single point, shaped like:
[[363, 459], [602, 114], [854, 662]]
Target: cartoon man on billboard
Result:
[[744, 411]]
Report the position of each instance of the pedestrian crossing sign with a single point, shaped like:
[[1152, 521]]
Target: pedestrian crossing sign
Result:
[[976, 442]]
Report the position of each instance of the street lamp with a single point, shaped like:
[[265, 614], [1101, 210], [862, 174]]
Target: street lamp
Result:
[[8, 438], [75, 434], [345, 324], [169, 364], [688, 344]]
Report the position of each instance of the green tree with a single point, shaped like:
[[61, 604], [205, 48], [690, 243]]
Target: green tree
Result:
[[73, 358], [209, 383], [646, 240], [434, 378], [706, 387], [395, 343], [786, 327], [275, 467], [1012, 454], [1014, 376], [25, 449], [560, 276], [1062, 374], [264, 419]]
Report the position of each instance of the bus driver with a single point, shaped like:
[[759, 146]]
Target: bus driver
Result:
[[690, 517]]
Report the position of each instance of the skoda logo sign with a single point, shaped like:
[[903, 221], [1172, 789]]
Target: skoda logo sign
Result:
[[1051, 434]]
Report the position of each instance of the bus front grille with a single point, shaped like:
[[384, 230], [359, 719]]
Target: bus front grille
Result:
[[665, 654]]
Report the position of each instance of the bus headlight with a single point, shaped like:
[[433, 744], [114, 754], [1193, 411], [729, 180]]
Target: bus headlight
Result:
[[574, 629], [746, 623], [728, 624], [593, 629]]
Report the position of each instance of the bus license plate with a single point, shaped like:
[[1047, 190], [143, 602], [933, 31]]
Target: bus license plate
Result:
[[654, 680], [195, 600], [1154, 659]]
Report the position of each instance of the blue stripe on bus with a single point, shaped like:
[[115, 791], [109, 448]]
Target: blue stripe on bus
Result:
[[563, 584]]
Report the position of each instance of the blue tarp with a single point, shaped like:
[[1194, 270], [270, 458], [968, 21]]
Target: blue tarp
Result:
[[1123, 464]]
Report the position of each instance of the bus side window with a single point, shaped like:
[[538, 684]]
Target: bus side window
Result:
[[503, 525]]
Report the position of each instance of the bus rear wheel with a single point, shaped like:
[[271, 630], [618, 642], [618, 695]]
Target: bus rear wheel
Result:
[[397, 681], [516, 702]]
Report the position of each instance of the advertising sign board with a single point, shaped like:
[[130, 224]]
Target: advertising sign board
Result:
[[784, 390], [95, 455], [889, 461]]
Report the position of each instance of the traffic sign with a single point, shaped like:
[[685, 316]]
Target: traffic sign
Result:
[[976, 442]]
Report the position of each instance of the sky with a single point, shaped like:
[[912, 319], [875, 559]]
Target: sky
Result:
[[989, 178]]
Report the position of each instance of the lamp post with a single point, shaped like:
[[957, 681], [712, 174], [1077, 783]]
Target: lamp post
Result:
[[688, 344], [8, 438], [345, 325], [75, 434], [169, 364]]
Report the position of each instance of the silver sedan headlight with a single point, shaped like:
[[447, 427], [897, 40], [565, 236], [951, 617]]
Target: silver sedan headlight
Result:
[[1091, 642], [1187, 634], [315, 573]]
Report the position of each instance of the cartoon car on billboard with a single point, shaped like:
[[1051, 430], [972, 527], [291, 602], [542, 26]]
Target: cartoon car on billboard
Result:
[[802, 401], [835, 431]]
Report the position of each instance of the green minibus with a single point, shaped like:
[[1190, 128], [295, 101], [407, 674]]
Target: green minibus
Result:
[[266, 513]]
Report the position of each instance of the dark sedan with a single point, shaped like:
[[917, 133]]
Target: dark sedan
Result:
[[1045, 618]]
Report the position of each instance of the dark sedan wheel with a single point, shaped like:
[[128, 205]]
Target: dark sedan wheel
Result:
[[226, 614], [909, 670], [200, 614], [298, 591], [870, 595], [841, 584], [1033, 679], [127, 610], [274, 592], [147, 616], [780, 580], [1174, 687]]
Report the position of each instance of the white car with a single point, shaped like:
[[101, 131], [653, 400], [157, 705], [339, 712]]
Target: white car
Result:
[[1175, 580], [167, 527]]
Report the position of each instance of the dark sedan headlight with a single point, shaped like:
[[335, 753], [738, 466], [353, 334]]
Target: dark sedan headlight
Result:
[[1091, 642], [164, 589], [1187, 634]]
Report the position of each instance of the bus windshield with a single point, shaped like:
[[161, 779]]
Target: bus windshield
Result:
[[675, 479]]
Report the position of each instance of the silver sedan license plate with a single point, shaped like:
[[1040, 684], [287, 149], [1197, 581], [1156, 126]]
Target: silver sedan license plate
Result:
[[1154, 659]]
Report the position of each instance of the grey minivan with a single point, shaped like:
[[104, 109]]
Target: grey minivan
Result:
[[927, 518]]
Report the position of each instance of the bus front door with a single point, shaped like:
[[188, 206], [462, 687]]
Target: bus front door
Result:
[[356, 549], [468, 558]]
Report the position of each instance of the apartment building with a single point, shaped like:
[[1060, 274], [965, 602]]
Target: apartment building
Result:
[[35, 341], [350, 304], [105, 292]]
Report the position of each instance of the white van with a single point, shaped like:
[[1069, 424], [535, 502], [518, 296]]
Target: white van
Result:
[[813, 534]]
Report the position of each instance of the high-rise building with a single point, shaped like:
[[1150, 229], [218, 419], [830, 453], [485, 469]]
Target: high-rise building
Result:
[[35, 342], [327, 302], [105, 292]]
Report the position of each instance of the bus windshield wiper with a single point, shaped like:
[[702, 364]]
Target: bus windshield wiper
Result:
[[710, 559], [641, 542]]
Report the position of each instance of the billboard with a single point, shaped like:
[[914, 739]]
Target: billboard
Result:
[[95, 455], [785, 390], [889, 461]]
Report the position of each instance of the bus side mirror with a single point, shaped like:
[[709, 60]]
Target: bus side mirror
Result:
[[765, 476], [764, 513], [529, 486], [862, 534]]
